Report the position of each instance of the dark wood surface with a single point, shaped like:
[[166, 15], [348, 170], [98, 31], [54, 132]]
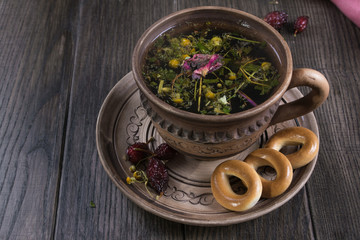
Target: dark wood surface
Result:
[[59, 60]]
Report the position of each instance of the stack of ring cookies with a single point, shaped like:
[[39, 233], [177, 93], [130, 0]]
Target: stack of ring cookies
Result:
[[257, 186]]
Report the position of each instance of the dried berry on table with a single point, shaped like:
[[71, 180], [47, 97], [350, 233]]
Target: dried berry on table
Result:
[[300, 24], [137, 152], [150, 168], [157, 175], [276, 19], [164, 152]]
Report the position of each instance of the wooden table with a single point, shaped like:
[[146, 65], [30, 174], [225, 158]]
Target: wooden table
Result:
[[58, 62]]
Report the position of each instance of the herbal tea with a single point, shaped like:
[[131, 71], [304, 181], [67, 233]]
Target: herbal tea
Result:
[[209, 71]]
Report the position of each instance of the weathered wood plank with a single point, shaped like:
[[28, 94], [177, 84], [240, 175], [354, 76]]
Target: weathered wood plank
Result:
[[291, 221], [331, 45], [35, 61], [334, 190], [107, 33]]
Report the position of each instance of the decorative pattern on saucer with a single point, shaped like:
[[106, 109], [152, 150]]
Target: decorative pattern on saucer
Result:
[[188, 199], [140, 127]]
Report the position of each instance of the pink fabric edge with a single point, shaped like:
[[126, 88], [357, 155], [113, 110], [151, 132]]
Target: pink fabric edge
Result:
[[351, 9]]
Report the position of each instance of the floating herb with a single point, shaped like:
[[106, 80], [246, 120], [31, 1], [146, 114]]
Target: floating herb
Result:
[[210, 71]]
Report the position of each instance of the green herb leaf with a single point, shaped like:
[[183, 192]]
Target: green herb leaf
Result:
[[92, 204]]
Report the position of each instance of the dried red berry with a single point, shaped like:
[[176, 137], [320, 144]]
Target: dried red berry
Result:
[[300, 24], [276, 19], [164, 152], [137, 152], [157, 175]]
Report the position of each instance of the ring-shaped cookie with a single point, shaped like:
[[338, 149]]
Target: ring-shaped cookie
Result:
[[296, 136], [284, 172], [222, 191]]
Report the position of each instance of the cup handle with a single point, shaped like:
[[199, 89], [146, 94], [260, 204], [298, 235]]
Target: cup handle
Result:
[[320, 91]]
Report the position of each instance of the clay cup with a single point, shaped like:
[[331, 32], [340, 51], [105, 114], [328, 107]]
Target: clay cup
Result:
[[209, 137]]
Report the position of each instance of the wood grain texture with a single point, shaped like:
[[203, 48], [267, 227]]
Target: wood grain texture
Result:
[[36, 55], [103, 55], [59, 60], [287, 222], [332, 46], [334, 192]]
